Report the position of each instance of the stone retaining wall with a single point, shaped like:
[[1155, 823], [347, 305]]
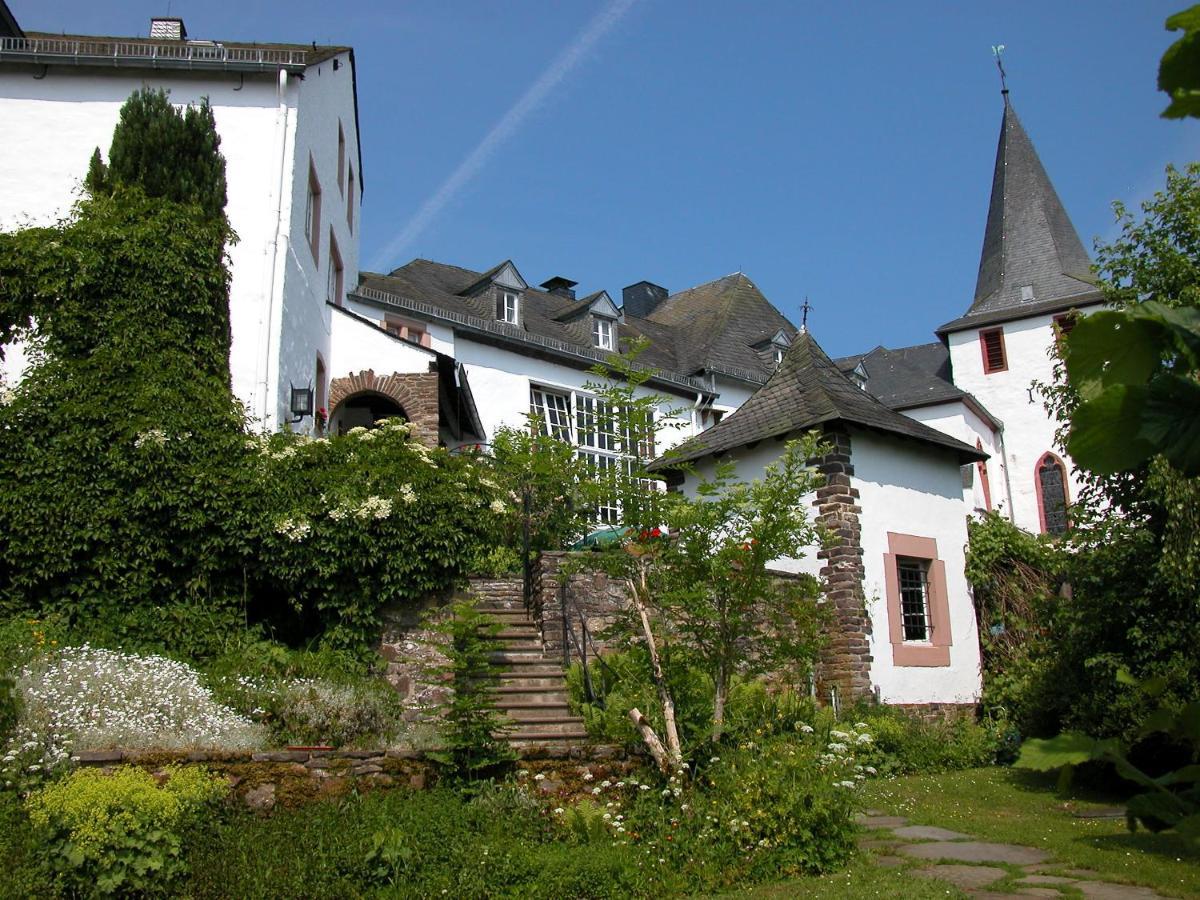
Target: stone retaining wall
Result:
[[289, 778]]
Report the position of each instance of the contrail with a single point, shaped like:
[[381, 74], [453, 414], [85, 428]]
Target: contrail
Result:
[[552, 77]]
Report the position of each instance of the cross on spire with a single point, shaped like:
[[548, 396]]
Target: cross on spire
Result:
[[805, 309], [998, 52]]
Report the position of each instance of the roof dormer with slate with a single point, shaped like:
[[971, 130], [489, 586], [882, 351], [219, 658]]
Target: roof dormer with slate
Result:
[[724, 328], [1032, 262]]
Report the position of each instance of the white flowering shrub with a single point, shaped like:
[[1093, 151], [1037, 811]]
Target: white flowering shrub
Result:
[[358, 521], [85, 698]]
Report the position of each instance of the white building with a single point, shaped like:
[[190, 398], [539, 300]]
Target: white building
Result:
[[892, 504], [288, 120], [977, 383], [523, 350]]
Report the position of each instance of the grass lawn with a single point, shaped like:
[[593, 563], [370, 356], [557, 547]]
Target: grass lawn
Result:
[[1022, 808], [1008, 806]]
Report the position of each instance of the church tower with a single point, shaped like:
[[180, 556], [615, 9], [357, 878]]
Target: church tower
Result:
[[1034, 278]]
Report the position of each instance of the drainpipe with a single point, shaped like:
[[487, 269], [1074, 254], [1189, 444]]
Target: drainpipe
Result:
[[271, 354], [1007, 482]]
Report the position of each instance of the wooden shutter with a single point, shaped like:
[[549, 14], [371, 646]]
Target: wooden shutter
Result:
[[992, 343]]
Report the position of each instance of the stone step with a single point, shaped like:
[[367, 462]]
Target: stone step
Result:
[[545, 731], [531, 683], [515, 692], [530, 657], [516, 632], [520, 645], [528, 715]]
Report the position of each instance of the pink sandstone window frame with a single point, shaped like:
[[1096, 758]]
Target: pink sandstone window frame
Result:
[[936, 651], [1037, 483]]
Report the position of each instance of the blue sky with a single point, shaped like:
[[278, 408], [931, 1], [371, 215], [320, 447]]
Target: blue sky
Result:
[[841, 152]]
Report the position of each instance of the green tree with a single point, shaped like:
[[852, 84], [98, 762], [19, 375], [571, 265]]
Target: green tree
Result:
[[167, 152], [1179, 70]]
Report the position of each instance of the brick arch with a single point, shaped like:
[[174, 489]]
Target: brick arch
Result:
[[414, 392]]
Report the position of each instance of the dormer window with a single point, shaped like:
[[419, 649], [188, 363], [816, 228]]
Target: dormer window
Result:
[[507, 306], [603, 333], [778, 355]]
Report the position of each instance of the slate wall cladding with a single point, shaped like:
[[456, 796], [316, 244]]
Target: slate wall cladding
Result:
[[846, 660], [415, 392]]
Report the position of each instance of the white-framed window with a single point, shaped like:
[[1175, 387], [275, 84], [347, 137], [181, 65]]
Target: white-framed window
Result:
[[587, 423], [912, 575], [334, 285], [508, 306], [602, 333], [312, 212], [552, 411]]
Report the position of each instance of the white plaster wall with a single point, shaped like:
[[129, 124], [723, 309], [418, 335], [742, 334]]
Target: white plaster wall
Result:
[[959, 421], [1028, 428], [366, 347], [500, 381], [749, 465], [915, 489], [52, 125], [441, 337], [324, 97]]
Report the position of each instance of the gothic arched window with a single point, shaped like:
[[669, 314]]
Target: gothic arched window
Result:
[[1052, 494]]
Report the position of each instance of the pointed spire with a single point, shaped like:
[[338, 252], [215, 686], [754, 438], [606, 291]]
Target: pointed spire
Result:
[[1031, 251]]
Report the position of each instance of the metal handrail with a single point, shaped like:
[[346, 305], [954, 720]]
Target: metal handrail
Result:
[[144, 51], [581, 643]]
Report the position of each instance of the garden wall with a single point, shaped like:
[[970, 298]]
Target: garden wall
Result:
[[265, 780]]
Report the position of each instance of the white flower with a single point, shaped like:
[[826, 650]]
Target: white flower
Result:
[[643, 787], [155, 436], [588, 776], [861, 725], [540, 776], [407, 494], [596, 791], [871, 770], [807, 729], [357, 430], [558, 810], [295, 530], [498, 507], [374, 508], [863, 739]]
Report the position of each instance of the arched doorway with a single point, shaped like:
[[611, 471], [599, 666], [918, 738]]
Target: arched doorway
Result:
[[365, 409]]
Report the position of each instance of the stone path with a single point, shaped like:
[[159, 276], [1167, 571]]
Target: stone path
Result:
[[976, 867]]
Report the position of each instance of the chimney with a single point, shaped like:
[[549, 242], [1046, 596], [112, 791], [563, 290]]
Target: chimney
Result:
[[564, 287], [165, 28], [643, 298]]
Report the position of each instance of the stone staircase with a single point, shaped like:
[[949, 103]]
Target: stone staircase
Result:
[[532, 689]]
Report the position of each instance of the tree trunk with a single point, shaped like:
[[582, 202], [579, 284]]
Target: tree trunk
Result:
[[722, 686], [653, 744], [639, 592]]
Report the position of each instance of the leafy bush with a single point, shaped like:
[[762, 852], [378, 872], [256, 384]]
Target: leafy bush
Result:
[[82, 698], [905, 744], [316, 711], [121, 834], [471, 720], [360, 521]]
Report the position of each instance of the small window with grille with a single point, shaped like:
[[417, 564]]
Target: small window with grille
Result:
[[552, 413], [913, 576], [992, 343]]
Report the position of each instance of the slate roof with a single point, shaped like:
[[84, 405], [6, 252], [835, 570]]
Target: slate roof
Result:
[[692, 334], [907, 377], [1028, 241], [808, 389], [716, 325]]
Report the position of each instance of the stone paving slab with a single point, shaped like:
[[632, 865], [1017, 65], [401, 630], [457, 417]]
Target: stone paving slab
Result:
[[965, 877], [929, 833], [1104, 890], [879, 845], [1046, 879], [976, 852], [1000, 895], [889, 862], [881, 821]]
